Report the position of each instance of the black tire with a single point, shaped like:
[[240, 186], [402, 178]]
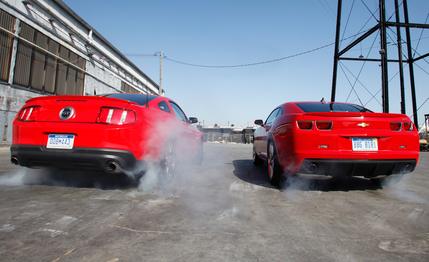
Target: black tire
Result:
[[257, 161], [168, 162], [274, 169]]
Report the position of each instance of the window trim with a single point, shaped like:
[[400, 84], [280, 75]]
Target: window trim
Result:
[[186, 117], [275, 117]]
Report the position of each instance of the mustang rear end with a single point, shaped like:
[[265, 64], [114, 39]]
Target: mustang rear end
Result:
[[113, 133]]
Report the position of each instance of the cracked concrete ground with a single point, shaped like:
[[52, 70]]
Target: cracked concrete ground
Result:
[[224, 210]]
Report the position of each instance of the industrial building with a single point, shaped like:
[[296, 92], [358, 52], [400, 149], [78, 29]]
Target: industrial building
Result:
[[47, 49]]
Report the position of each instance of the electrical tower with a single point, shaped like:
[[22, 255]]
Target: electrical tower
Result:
[[381, 27]]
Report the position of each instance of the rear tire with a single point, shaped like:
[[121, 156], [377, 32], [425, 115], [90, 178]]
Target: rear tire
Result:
[[168, 162], [275, 173], [257, 161]]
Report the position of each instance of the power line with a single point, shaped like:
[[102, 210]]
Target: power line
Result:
[[379, 90], [369, 10], [348, 18], [421, 34], [363, 65], [279, 59], [360, 82], [249, 64], [352, 85]]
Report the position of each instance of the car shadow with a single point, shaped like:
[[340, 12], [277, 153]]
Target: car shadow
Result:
[[247, 172], [81, 179]]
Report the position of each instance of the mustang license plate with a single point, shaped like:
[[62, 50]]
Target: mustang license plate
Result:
[[60, 141], [364, 144]]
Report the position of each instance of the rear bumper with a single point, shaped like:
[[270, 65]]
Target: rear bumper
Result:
[[366, 168], [107, 160]]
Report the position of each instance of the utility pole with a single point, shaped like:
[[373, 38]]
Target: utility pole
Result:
[[161, 56], [337, 50], [401, 69], [383, 54], [410, 63]]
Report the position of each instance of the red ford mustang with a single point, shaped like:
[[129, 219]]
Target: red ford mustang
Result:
[[334, 139], [116, 133]]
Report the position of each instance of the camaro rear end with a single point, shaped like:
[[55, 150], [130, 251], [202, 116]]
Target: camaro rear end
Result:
[[339, 139]]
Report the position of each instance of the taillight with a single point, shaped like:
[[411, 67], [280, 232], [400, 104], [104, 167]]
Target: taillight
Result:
[[28, 113], [395, 126], [324, 125], [408, 126], [116, 116], [304, 124]]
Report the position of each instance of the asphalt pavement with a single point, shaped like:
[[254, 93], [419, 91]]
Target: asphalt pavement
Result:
[[223, 210]]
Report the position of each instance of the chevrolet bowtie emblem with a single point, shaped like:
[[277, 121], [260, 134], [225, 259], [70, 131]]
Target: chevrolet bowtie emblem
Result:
[[363, 124]]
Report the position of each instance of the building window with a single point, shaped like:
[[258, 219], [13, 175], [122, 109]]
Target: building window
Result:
[[6, 41], [127, 88], [45, 73]]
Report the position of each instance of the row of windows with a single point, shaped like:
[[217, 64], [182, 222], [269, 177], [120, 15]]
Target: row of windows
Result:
[[127, 88], [34, 68]]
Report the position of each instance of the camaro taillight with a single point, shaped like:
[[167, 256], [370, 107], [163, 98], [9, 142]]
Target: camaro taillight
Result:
[[28, 113], [303, 124], [324, 125], [395, 126], [408, 126], [116, 116]]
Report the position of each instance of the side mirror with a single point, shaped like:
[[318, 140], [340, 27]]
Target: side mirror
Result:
[[259, 122], [193, 120]]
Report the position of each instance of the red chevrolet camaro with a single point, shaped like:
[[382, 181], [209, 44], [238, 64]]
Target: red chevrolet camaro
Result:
[[115, 133], [334, 139]]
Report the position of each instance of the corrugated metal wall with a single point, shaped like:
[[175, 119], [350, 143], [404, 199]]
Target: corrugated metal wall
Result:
[[23, 56], [51, 67], [37, 70], [7, 22]]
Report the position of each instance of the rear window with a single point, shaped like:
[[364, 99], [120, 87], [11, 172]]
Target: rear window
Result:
[[140, 99], [331, 107]]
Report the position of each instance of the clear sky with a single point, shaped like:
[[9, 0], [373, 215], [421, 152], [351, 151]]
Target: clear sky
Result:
[[225, 32]]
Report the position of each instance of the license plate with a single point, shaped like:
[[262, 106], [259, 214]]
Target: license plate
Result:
[[365, 144], [60, 141]]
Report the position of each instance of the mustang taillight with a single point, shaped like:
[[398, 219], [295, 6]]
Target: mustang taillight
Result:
[[28, 113], [304, 124], [324, 125], [116, 116], [408, 126], [395, 126]]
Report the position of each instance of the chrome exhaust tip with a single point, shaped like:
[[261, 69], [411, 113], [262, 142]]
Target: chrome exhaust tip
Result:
[[112, 167], [14, 160]]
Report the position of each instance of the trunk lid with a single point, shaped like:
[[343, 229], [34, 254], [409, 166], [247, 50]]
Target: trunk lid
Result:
[[358, 121], [72, 109]]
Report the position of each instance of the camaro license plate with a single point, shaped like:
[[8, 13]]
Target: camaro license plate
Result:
[[60, 141], [365, 144]]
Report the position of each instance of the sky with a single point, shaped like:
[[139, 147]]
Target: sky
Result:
[[225, 32]]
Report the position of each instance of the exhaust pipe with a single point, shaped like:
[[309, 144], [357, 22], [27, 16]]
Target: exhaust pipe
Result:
[[112, 167], [14, 160]]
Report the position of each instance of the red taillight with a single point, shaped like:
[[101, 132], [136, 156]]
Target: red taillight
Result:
[[28, 113], [116, 116], [408, 126], [304, 124], [395, 126], [324, 125]]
